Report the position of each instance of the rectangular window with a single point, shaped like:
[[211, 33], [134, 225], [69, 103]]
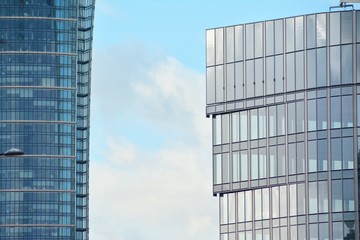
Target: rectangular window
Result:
[[235, 126], [290, 72], [269, 43], [281, 119], [321, 67], [311, 108], [239, 80], [346, 64], [323, 197], [249, 33], [321, 114], [291, 118], [283, 201], [225, 168], [244, 165], [292, 199], [248, 205], [239, 51], [219, 46], [254, 164], [299, 33], [312, 156], [254, 123], [217, 169], [272, 120], [250, 79], [259, 78], [336, 153], [224, 209], [270, 75], [299, 70], [259, 39], [346, 27], [281, 160], [335, 112], [347, 153], [336, 186], [265, 203], [300, 160], [279, 74], [258, 204], [290, 34], [301, 199], [300, 117], [262, 163], [236, 167], [311, 33], [322, 155], [219, 82], [230, 44], [311, 68], [243, 126], [321, 29], [225, 128], [275, 202], [335, 65], [262, 123], [279, 36], [241, 207], [334, 28], [230, 82], [292, 158], [210, 85], [210, 47], [273, 161], [313, 204]]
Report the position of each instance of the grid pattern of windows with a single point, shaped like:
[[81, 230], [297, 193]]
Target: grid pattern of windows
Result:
[[284, 99], [45, 67]]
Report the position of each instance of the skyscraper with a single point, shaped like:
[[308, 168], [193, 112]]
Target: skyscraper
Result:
[[45, 65], [284, 99]]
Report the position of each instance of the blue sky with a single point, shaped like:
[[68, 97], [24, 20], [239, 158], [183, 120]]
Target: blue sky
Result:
[[150, 140]]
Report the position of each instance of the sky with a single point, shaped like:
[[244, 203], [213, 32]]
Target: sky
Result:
[[150, 171]]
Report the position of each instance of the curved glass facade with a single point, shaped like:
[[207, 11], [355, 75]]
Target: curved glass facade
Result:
[[45, 65], [284, 98]]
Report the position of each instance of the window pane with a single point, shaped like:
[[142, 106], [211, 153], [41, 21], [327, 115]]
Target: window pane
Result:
[[324, 231], [291, 118], [323, 197], [349, 230], [248, 205], [281, 119], [348, 153], [275, 202], [336, 153], [270, 75], [310, 24], [239, 80], [219, 83], [292, 200], [279, 36], [265, 203], [219, 47], [346, 64], [249, 50], [231, 208], [217, 169], [230, 44], [254, 123], [311, 114], [230, 82], [273, 161], [322, 155], [281, 160], [235, 124], [313, 231], [321, 113], [262, 163], [312, 156], [335, 65], [258, 40], [279, 74], [241, 207], [250, 79], [313, 208], [223, 209], [299, 33], [262, 122], [321, 67], [335, 112], [236, 167], [210, 85], [217, 129], [210, 47], [334, 28], [348, 195], [292, 158], [347, 111], [321, 29], [259, 78], [269, 38], [272, 121], [283, 201], [337, 195], [338, 231], [299, 70], [258, 204], [243, 126], [290, 40], [300, 161], [290, 72], [254, 164], [346, 27], [244, 165], [300, 118], [225, 168], [239, 52], [225, 129], [301, 198], [311, 68]]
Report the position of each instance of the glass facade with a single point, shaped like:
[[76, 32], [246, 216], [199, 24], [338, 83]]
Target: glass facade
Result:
[[284, 99], [45, 65]]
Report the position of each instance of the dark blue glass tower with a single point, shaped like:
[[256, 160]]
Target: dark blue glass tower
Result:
[[45, 64]]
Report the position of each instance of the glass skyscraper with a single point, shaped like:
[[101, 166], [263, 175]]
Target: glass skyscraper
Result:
[[284, 99], [45, 64]]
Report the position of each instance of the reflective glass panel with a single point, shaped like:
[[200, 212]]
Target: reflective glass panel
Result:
[[311, 68], [311, 31], [210, 47], [321, 113], [313, 207], [290, 34], [275, 202], [312, 156], [346, 27], [279, 74], [254, 164], [258, 39], [210, 85], [311, 108], [230, 44], [270, 75], [250, 79], [219, 46], [249, 33], [244, 165], [346, 64], [219, 84], [259, 78], [290, 72], [323, 197], [299, 70], [239, 80], [236, 167], [348, 195], [230, 82], [334, 28], [281, 160], [299, 33], [279, 36], [335, 115], [239, 49], [336, 153], [337, 195], [322, 155], [321, 29], [269, 42], [235, 126], [321, 67]]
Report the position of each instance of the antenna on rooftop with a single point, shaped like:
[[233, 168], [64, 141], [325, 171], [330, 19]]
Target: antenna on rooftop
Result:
[[344, 4]]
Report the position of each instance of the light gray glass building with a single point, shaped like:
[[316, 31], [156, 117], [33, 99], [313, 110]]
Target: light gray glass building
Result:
[[45, 65], [284, 99]]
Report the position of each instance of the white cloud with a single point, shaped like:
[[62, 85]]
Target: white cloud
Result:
[[140, 192]]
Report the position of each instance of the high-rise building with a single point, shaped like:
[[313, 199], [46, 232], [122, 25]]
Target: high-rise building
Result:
[[45, 65], [284, 99]]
